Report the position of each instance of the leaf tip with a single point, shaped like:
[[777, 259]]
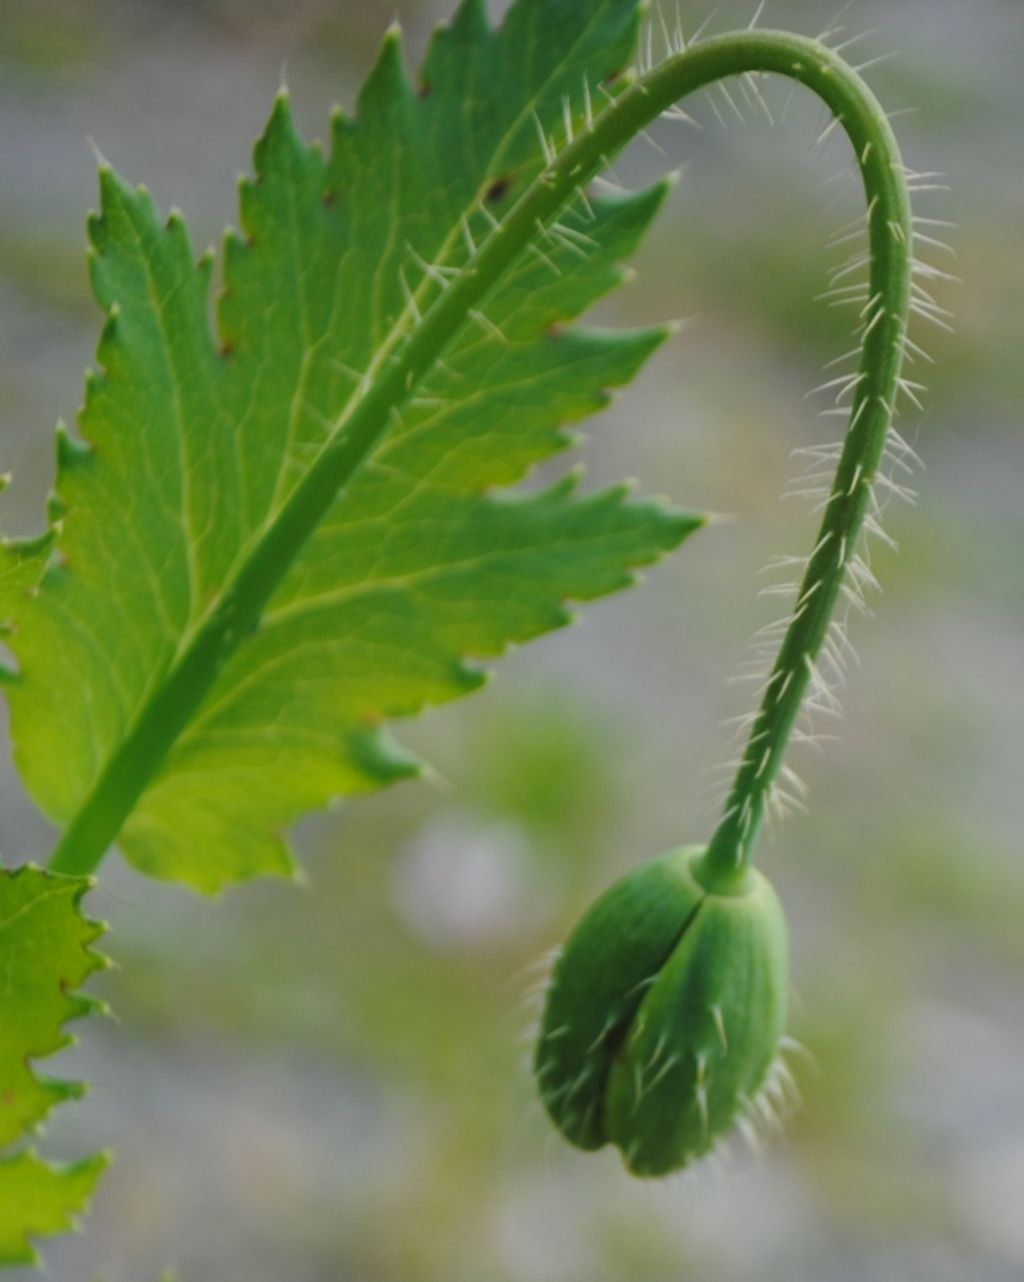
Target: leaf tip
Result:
[[670, 328], [470, 19], [388, 78], [86, 1005], [175, 220], [278, 139], [101, 160], [109, 188]]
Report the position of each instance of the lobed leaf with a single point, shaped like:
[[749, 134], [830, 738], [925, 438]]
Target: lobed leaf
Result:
[[192, 442], [46, 952], [38, 1199]]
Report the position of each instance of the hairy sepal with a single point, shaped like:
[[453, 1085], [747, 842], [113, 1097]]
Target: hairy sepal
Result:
[[598, 984]]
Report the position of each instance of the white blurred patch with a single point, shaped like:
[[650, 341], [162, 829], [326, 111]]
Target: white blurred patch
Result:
[[464, 884], [990, 1194]]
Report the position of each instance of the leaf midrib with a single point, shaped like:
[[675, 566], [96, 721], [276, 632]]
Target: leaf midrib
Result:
[[209, 641]]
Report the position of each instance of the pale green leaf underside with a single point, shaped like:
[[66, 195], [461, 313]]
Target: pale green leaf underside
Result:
[[194, 440], [46, 953]]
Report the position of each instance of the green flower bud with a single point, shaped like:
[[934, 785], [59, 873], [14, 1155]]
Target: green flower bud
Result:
[[665, 1013]]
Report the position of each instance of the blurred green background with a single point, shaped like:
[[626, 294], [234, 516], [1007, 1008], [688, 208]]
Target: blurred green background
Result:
[[326, 1082]]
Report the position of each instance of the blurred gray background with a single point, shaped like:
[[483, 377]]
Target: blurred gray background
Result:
[[325, 1082]]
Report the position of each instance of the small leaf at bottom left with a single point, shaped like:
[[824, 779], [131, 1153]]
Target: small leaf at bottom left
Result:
[[46, 953], [41, 1198]]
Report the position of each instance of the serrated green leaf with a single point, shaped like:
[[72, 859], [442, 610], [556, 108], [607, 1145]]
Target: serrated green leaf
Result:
[[38, 1199], [22, 565], [192, 445], [46, 952]]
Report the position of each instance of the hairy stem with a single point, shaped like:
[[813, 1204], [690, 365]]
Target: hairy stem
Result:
[[237, 613]]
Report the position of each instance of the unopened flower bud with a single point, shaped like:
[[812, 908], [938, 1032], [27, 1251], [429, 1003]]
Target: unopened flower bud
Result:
[[665, 1013]]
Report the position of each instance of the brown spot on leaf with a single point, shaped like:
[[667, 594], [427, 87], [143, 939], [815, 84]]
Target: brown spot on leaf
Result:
[[499, 189]]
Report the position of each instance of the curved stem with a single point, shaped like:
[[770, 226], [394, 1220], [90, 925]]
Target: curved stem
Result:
[[890, 234], [239, 609]]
